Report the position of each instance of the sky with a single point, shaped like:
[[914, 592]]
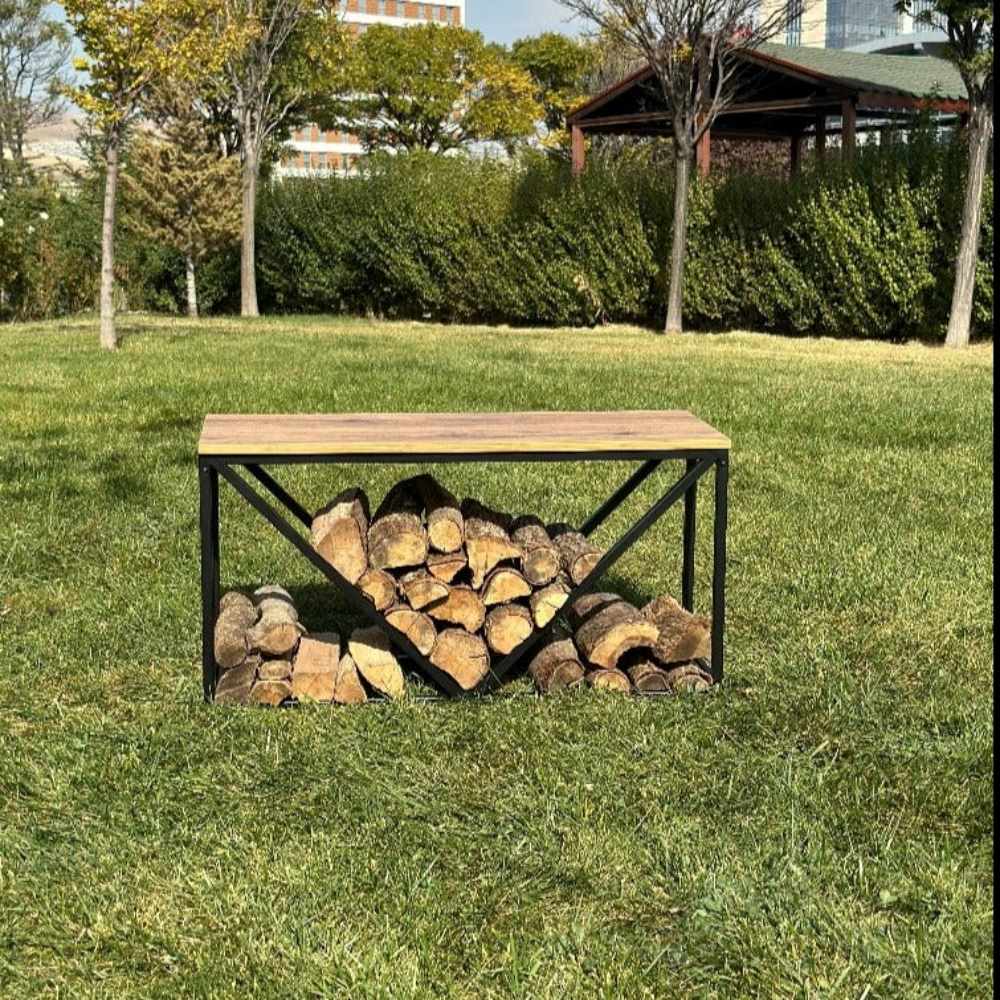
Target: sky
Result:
[[506, 20]]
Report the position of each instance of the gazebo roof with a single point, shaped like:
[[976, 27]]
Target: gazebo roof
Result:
[[782, 89], [906, 76]]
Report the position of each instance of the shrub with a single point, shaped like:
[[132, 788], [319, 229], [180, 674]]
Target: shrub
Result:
[[866, 251]]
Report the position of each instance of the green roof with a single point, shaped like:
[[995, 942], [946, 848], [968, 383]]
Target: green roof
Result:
[[907, 76]]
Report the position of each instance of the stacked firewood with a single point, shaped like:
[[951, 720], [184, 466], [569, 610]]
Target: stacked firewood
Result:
[[466, 585], [613, 646], [266, 657]]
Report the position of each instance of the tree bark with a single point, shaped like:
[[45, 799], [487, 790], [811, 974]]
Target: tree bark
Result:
[[248, 256], [678, 246], [192, 288], [109, 334], [396, 535], [960, 322], [278, 631], [557, 667]]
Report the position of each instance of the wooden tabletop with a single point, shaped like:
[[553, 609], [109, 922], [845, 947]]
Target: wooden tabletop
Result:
[[453, 433]]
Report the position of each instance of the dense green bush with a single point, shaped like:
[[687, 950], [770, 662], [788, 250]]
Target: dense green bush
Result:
[[864, 252]]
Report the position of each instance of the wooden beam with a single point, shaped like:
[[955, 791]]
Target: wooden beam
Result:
[[821, 137], [796, 155], [579, 151], [703, 154], [849, 131], [743, 108]]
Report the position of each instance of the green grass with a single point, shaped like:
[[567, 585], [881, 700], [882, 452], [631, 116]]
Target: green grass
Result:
[[821, 827]]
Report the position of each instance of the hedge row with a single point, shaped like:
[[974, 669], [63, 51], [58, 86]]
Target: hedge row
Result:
[[865, 252]]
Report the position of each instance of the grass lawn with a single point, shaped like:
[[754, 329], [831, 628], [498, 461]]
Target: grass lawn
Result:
[[821, 827]]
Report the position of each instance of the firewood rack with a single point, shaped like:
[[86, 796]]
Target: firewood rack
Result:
[[237, 449]]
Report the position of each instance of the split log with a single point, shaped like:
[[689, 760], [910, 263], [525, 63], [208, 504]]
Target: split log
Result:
[[340, 534], [237, 615], [272, 693], [548, 602], [683, 636], [587, 606], [272, 671], [689, 678], [422, 590], [316, 663], [557, 667], [577, 555], [396, 537], [445, 524], [463, 606], [377, 664], [446, 566], [609, 680], [507, 627], [417, 627], [540, 561], [504, 585], [379, 587], [487, 541], [648, 678], [462, 656], [235, 685], [277, 631], [612, 630], [347, 686]]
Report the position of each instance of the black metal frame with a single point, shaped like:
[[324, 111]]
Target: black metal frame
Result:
[[697, 464]]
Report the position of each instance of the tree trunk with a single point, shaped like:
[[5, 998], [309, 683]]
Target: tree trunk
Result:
[[960, 323], [678, 246], [248, 258], [192, 288], [109, 335]]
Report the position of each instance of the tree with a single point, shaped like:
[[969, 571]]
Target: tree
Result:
[[183, 193], [433, 87], [693, 48], [34, 53], [131, 45], [969, 27], [275, 82], [560, 67]]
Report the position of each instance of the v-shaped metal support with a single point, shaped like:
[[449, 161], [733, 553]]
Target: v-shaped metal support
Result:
[[697, 466]]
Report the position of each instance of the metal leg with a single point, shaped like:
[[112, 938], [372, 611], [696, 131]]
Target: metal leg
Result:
[[719, 568], [690, 529], [208, 478]]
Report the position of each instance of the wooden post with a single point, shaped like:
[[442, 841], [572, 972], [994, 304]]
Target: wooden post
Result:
[[821, 137], [796, 156], [849, 133], [703, 154], [579, 151]]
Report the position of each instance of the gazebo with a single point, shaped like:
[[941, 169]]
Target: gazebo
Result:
[[787, 93]]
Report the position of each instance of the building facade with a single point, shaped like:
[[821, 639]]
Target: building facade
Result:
[[862, 25], [316, 151]]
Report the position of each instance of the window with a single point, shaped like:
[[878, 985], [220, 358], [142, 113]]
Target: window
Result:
[[793, 33]]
